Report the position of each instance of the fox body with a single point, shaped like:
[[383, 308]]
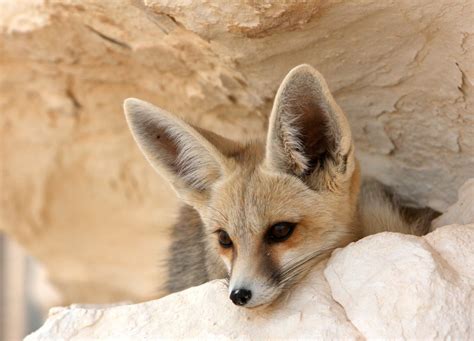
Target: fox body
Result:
[[264, 212]]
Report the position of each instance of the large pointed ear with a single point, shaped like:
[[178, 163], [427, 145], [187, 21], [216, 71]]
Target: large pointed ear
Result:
[[309, 135], [186, 156]]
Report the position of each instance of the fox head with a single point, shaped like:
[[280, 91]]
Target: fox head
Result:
[[271, 208]]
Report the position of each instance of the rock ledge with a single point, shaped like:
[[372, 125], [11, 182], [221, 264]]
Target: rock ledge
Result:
[[387, 285]]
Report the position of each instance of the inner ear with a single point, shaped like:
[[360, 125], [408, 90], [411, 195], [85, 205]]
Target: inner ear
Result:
[[159, 136], [307, 130], [316, 132], [179, 152]]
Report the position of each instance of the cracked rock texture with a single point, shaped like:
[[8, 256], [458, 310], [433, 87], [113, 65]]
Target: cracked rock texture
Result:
[[75, 190], [384, 286]]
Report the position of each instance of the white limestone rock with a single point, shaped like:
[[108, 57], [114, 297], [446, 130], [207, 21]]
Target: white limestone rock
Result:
[[394, 285], [383, 286], [206, 312]]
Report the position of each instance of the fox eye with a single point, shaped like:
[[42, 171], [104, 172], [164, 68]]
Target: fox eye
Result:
[[280, 232], [224, 239]]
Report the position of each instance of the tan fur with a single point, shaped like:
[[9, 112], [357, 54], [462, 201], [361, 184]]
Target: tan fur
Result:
[[304, 173]]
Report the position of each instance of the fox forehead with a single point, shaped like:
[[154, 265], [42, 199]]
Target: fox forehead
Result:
[[251, 201]]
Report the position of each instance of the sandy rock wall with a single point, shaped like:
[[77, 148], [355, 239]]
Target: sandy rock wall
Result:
[[75, 190]]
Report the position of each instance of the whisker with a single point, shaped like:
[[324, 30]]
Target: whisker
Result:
[[354, 233], [225, 287], [340, 231], [294, 268]]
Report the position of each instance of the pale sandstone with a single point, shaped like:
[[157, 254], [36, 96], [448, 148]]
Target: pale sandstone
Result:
[[75, 190]]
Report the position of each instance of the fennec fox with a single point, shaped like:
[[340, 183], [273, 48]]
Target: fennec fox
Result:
[[263, 213]]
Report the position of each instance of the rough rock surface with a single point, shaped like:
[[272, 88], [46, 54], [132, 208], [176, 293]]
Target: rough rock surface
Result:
[[75, 190], [395, 286], [384, 286]]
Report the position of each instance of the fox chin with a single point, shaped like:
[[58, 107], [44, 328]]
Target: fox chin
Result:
[[263, 213]]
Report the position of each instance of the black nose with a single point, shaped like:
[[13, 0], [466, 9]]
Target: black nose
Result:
[[240, 296]]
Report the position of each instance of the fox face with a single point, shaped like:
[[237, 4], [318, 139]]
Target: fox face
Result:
[[272, 208]]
